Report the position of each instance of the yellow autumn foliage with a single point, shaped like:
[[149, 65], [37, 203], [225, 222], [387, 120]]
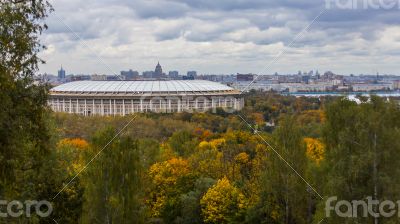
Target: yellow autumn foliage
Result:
[[222, 203], [208, 160], [169, 171], [218, 143], [242, 158], [164, 176], [211, 164], [315, 149], [204, 145], [310, 116], [213, 144], [73, 147]]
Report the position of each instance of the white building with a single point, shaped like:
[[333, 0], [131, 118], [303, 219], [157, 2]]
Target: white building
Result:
[[291, 87], [127, 97], [98, 77], [372, 87]]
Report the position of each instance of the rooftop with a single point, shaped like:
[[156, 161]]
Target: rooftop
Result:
[[142, 87]]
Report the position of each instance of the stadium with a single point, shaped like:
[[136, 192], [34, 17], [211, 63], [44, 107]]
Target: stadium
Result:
[[109, 98]]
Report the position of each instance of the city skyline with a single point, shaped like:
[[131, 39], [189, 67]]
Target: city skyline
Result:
[[175, 72]]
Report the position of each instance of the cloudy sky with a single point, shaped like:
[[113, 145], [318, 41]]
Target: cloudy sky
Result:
[[220, 36]]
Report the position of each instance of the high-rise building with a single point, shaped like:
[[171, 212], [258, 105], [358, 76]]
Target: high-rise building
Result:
[[130, 75], [158, 73], [96, 77], [192, 74], [317, 75], [305, 79], [148, 74], [244, 77], [80, 77], [113, 78], [61, 74], [173, 74], [185, 77]]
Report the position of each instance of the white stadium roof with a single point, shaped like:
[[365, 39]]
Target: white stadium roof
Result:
[[142, 87]]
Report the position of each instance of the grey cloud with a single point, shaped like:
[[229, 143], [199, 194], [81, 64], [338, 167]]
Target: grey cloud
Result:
[[248, 4], [146, 9], [212, 14], [259, 23], [170, 33]]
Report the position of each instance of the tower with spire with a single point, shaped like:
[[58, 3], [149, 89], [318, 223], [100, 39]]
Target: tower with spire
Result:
[[158, 73], [61, 73]]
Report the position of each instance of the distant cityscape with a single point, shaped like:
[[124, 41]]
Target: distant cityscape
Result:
[[312, 81]]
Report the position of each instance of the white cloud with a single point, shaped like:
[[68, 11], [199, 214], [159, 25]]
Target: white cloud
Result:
[[225, 36]]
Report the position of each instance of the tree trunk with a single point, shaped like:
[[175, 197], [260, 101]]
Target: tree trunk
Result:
[[375, 178], [309, 207], [106, 197], [287, 201]]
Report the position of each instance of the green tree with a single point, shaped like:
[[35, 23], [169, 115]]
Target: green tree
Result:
[[362, 159], [23, 132], [182, 142], [191, 209], [283, 192], [25, 152], [68, 162], [113, 181]]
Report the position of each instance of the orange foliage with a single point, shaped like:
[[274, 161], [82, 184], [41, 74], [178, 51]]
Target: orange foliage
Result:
[[72, 149], [203, 134], [74, 142], [258, 118]]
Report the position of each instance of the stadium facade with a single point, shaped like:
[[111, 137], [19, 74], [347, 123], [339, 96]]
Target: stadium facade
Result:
[[108, 98]]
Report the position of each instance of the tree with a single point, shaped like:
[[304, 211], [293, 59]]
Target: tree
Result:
[[182, 142], [207, 160], [170, 179], [223, 203], [69, 162], [22, 114], [315, 149], [24, 130], [191, 209], [113, 182], [284, 192], [361, 159]]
